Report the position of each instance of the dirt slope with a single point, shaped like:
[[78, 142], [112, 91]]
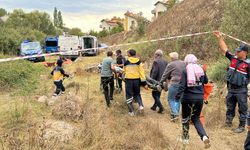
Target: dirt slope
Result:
[[188, 17]]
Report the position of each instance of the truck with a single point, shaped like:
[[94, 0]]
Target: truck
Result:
[[69, 45], [51, 44], [90, 45], [32, 48]]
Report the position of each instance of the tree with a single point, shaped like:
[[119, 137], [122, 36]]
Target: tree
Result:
[[236, 20], [34, 20], [60, 20], [20, 26], [11, 38], [103, 33], [171, 3], [55, 17], [117, 29], [76, 31], [3, 12], [66, 29], [16, 19], [93, 33], [141, 26]]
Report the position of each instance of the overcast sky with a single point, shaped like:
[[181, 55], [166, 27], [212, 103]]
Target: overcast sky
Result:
[[85, 14]]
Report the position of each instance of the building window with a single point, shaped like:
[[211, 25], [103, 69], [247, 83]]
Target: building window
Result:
[[132, 27]]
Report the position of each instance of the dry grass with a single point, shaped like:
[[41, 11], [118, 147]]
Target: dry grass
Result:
[[23, 121], [70, 108]]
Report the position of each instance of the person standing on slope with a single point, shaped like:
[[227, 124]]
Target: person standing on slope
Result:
[[134, 77], [156, 73], [191, 93], [237, 80]]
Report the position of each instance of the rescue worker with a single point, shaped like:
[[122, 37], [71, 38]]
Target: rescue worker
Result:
[[58, 75], [134, 77]]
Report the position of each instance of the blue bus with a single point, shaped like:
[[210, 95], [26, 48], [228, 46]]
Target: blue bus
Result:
[[51, 44]]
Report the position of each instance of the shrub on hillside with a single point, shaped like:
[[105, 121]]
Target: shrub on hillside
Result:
[[217, 71], [141, 26], [145, 51], [20, 76], [236, 20], [11, 39]]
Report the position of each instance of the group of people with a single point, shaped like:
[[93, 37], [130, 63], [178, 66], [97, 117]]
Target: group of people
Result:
[[184, 81]]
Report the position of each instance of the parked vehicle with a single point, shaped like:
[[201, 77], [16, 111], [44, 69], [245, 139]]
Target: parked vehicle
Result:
[[102, 47], [68, 46], [51, 44], [89, 45], [32, 48]]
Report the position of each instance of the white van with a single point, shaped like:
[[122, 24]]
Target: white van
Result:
[[90, 43], [68, 46]]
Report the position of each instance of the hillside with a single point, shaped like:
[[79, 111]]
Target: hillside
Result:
[[79, 120], [31, 119], [190, 16]]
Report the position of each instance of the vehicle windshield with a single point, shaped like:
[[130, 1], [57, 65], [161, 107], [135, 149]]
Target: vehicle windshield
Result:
[[51, 43], [30, 46], [88, 43]]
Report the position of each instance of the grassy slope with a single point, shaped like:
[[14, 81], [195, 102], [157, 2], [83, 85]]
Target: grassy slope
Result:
[[112, 128]]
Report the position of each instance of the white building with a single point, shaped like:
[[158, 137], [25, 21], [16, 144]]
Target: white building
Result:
[[130, 22], [160, 8], [107, 24]]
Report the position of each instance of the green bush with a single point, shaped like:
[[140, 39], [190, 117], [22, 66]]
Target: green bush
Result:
[[20, 76], [236, 20], [141, 26], [117, 29], [144, 51], [217, 71], [11, 38]]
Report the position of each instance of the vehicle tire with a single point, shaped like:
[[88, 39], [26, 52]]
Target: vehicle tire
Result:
[[73, 58], [42, 59]]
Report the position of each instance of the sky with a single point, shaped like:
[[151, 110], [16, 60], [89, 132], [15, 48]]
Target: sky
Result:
[[84, 14]]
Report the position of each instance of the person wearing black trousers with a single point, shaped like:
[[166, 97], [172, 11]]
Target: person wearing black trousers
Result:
[[120, 61], [58, 75], [156, 73], [247, 142], [191, 93], [107, 77]]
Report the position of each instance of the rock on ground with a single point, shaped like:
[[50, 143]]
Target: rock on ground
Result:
[[42, 99], [71, 108], [58, 130]]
